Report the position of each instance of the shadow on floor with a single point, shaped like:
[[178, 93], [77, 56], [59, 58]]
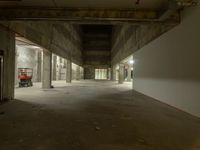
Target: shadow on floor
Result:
[[85, 118]]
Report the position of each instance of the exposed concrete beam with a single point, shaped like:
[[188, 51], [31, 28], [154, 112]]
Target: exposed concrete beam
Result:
[[171, 9], [81, 15], [174, 6], [127, 39], [188, 3], [62, 38]]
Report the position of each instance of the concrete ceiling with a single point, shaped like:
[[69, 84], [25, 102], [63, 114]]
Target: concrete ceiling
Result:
[[22, 42], [95, 11], [144, 4]]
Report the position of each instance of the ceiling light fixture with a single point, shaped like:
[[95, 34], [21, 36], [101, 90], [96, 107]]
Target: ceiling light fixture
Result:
[[131, 61]]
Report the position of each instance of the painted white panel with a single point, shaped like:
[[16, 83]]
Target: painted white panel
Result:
[[168, 68]]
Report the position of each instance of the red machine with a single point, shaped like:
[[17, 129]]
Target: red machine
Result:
[[25, 75]]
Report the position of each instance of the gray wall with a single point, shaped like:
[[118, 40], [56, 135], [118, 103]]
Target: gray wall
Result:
[[63, 74], [89, 72], [168, 68], [26, 58], [60, 69], [127, 39]]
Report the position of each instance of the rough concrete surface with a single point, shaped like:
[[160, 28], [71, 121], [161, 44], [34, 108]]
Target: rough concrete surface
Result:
[[128, 39], [60, 38], [93, 115]]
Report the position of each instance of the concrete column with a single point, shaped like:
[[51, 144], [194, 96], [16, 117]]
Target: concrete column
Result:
[[111, 73], [108, 74], [54, 67], [64, 65], [47, 64], [16, 68], [7, 50], [59, 68], [68, 71], [78, 73], [121, 73], [129, 73], [82, 73], [39, 66], [114, 72]]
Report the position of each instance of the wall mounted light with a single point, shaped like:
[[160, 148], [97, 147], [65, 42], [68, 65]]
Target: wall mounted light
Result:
[[131, 61]]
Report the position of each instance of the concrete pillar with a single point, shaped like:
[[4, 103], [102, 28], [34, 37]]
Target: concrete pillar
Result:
[[39, 66], [121, 73], [54, 66], [16, 68], [47, 64], [59, 68], [68, 71], [78, 73], [114, 72], [108, 74], [64, 64], [129, 73], [111, 73], [82, 73], [7, 50]]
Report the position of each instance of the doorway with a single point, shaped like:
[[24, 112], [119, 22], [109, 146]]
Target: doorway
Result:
[[100, 74], [1, 75]]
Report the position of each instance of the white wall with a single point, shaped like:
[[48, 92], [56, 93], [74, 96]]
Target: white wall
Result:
[[168, 68]]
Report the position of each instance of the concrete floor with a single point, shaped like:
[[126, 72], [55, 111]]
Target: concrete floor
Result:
[[89, 115]]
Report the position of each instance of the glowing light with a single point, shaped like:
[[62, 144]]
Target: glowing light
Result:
[[131, 61]]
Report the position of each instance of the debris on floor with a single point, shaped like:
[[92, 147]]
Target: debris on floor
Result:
[[97, 128]]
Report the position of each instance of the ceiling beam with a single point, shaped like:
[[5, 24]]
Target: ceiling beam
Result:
[[83, 16], [176, 5], [171, 9]]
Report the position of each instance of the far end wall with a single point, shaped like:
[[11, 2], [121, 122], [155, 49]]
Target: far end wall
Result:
[[168, 68], [26, 58]]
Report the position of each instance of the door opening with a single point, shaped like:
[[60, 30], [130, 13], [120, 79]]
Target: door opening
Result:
[[100, 74]]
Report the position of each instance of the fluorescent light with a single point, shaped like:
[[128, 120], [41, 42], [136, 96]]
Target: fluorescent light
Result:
[[131, 61]]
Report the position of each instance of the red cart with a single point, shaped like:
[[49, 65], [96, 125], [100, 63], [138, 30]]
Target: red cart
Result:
[[25, 75]]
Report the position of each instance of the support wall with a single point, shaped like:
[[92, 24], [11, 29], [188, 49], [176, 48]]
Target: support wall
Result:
[[168, 68]]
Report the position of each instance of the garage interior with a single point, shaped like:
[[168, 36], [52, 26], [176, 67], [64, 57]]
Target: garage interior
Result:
[[105, 75]]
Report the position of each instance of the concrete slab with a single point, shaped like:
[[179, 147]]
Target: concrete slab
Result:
[[93, 115]]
